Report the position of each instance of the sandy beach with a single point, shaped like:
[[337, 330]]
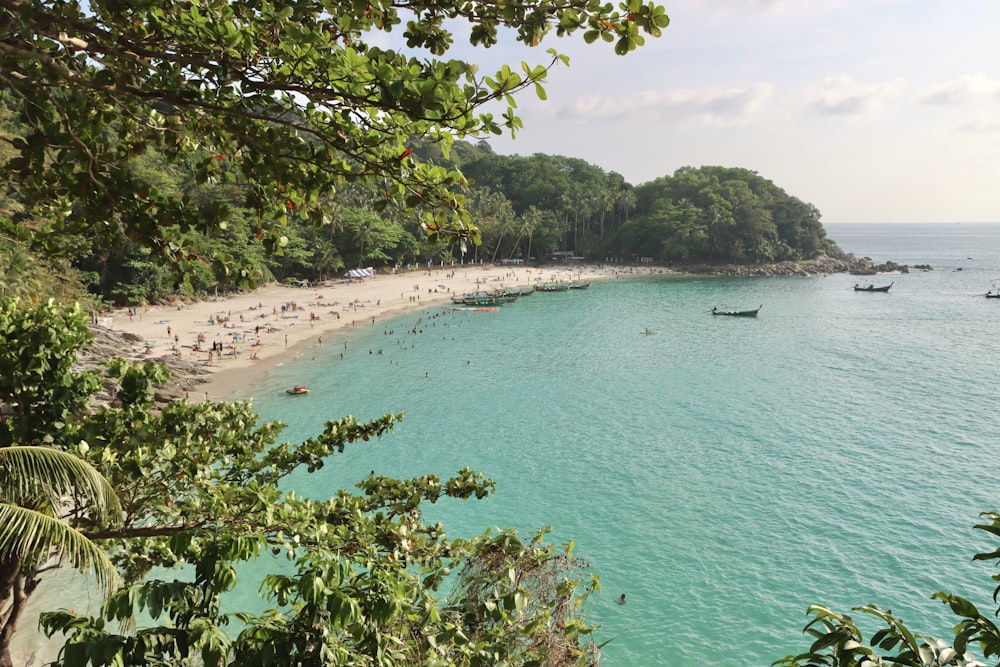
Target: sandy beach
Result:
[[236, 338]]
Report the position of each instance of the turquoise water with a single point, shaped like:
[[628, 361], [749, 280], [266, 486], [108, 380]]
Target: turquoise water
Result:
[[724, 473]]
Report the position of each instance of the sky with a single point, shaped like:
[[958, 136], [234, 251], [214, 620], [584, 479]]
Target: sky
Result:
[[871, 110]]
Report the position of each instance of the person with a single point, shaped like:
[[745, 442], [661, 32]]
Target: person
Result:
[[621, 600]]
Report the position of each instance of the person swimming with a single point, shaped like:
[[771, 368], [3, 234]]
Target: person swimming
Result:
[[621, 600]]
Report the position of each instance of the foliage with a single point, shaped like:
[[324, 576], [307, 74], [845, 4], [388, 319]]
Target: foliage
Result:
[[837, 640], [31, 277], [721, 214], [38, 384], [204, 490], [40, 488], [287, 102], [575, 198], [35, 483], [378, 240]]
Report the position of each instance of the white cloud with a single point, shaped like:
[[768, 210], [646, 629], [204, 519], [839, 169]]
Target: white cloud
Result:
[[968, 88], [716, 106], [844, 97], [767, 10], [981, 125]]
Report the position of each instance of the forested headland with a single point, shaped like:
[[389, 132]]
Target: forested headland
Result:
[[524, 207]]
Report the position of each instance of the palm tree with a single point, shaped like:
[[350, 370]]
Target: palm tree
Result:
[[530, 222], [365, 235], [19, 274], [38, 486], [627, 201], [505, 226]]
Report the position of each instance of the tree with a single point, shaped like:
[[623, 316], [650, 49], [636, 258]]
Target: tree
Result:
[[492, 212], [531, 221], [289, 102]]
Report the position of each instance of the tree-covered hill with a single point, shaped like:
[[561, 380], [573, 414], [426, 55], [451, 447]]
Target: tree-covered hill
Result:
[[524, 208], [721, 214]]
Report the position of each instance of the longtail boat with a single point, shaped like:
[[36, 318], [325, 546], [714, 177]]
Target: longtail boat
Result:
[[738, 313], [872, 288]]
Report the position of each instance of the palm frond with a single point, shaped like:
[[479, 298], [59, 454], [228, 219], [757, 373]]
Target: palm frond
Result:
[[24, 531], [32, 472]]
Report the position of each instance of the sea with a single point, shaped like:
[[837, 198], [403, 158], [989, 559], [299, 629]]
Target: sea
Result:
[[723, 473]]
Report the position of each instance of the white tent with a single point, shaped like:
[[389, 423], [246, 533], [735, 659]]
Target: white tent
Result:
[[361, 273]]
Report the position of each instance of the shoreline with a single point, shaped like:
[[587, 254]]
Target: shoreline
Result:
[[221, 344], [232, 340]]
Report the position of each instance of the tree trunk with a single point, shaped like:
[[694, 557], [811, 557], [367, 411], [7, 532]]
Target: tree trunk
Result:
[[15, 588]]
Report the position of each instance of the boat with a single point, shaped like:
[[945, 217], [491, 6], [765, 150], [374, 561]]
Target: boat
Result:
[[738, 313], [579, 284], [489, 299], [872, 288], [508, 296], [552, 287], [297, 390]]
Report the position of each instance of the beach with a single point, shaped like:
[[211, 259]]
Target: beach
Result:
[[235, 338]]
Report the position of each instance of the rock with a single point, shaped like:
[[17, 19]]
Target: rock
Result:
[[109, 345], [823, 264]]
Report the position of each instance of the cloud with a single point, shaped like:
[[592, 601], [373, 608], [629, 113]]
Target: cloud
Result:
[[719, 107], [843, 97], [983, 125], [966, 89], [721, 11]]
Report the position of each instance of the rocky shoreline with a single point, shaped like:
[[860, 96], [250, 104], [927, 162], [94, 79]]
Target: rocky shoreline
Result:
[[184, 375], [822, 265]]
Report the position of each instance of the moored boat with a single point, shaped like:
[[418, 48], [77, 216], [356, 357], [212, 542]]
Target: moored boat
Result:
[[738, 313], [297, 390], [489, 299], [552, 287], [872, 288]]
